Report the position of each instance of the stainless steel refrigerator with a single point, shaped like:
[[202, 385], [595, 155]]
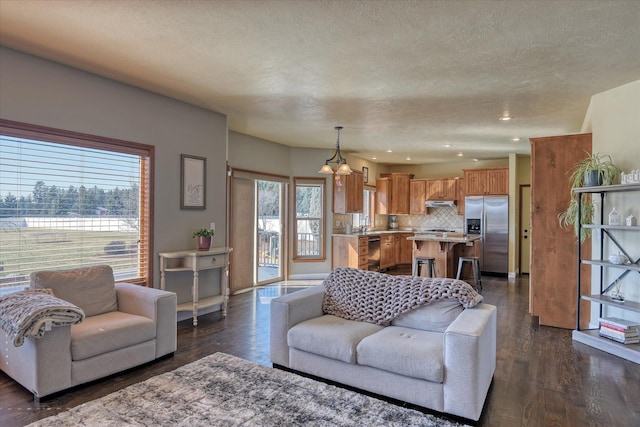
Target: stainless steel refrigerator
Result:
[[488, 216]]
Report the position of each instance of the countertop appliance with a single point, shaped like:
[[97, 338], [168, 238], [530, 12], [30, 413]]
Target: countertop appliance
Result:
[[488, 216], [393, 223]]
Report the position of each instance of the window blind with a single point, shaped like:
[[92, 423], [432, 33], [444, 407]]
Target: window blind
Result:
[[71, 200]]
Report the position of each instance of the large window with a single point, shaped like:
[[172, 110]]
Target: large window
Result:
[[308, 233], [71, 200]]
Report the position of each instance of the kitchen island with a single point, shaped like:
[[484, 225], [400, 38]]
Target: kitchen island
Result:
[[446, 248]]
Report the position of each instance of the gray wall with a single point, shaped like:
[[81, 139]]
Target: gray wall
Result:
[[41, 92]]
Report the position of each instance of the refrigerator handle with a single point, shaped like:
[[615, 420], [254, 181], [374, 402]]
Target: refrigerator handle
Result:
[[483, 222]]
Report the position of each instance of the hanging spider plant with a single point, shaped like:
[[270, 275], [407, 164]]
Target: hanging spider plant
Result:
[[595, 169]]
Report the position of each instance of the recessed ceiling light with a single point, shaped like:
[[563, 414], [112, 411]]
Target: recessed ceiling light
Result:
[[374, 158], [475, 160], [447, 145], [459, 154], [515, 139], [389, 151], [505, 118], [408, 158]]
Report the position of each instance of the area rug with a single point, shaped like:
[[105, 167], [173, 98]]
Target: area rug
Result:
[[223, 390]]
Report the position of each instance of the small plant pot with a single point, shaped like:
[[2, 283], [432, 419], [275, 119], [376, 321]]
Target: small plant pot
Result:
[[592, 178], [204, 243]]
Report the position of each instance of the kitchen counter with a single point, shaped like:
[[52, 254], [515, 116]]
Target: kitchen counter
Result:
[[446, 251], [380, 232], [451, 238], [373, 233]]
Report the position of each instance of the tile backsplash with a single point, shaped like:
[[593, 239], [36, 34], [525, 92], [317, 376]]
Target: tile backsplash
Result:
[[441, 218]]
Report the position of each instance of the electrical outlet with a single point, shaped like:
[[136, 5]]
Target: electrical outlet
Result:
[[213, 227]]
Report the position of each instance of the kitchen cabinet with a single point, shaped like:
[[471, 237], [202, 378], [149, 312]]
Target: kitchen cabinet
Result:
[[460, 196], [392, 193], [441, 189], [613, 234], [553, 276], [350, 251], [403, 248], [481, 182], [348, 193], [387, 251], [417, 196]]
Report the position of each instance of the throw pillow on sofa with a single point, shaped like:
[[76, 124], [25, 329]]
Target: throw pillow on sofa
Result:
[[434, 317]]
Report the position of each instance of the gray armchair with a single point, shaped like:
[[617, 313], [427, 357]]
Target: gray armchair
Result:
[[125, 325]]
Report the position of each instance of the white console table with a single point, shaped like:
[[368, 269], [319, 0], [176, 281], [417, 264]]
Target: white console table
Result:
[[195, 261]]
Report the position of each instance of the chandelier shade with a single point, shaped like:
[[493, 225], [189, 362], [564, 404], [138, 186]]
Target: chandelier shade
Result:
[[342, 167]]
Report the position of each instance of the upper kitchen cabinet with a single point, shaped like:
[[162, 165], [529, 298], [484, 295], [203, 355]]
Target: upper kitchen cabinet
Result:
[[442, 189], [348, 193], [417, 196], [392, 193], [460, 196], [480, 182]]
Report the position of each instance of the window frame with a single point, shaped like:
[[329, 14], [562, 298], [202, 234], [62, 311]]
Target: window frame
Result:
[[310, 181], [146, 152]]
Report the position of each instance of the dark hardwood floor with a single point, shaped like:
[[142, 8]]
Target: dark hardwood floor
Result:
[[542, 377]]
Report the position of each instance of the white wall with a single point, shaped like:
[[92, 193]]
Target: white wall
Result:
[[41, 92], [615, 124]]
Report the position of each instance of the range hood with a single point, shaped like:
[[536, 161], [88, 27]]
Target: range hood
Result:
[[440, 203]]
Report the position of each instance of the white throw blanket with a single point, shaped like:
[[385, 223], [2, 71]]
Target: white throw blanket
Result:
[[372, 297], [33, 312]]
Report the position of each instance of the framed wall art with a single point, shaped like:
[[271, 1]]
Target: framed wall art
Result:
[[365, 172], [193, 178]]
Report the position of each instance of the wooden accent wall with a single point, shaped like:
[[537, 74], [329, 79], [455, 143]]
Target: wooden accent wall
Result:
[[554, 250]]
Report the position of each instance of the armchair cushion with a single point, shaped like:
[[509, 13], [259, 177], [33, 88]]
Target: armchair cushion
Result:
[[90, 288], [108, 332]]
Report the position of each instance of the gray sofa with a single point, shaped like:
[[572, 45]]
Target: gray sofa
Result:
[[439, 356], [125, 325]]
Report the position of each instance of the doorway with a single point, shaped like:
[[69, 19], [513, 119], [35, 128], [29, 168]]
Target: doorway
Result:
[[269, 229], [525, 229], [257, 224]]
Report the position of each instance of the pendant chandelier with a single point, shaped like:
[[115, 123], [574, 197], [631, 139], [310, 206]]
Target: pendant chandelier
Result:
[[342, 168]]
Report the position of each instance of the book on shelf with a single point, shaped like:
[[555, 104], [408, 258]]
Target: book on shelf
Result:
[[631, 333], [631, 340], [619, 324]]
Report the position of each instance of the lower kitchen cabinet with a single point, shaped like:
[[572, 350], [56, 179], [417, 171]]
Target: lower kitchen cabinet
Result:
[[350, 251], [387, 251]]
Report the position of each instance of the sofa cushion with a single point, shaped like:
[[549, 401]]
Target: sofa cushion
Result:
[[108, 332], [405, 351], [330, 336], [435, 317], [90, 288]]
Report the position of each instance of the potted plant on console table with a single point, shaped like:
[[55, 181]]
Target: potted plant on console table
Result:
[[594, 170], [204, 238]]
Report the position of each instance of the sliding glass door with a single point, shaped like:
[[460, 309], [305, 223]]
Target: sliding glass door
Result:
[[269, 231], [257, 217]]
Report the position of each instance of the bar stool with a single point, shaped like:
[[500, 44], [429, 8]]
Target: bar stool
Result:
[[417, 266], [476, 270]]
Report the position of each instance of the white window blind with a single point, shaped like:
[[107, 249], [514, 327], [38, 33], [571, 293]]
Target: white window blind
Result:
[[71, 200]]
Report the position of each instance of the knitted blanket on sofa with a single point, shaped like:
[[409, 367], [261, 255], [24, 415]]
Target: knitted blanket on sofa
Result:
[[372, 297], [33, 312]]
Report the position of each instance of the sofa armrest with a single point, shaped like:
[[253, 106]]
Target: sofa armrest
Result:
[[286, 312], [43, 365], [158, 305], [470, 360]]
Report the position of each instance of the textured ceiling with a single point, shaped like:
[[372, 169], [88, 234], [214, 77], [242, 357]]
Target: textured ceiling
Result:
[[410, 76]]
